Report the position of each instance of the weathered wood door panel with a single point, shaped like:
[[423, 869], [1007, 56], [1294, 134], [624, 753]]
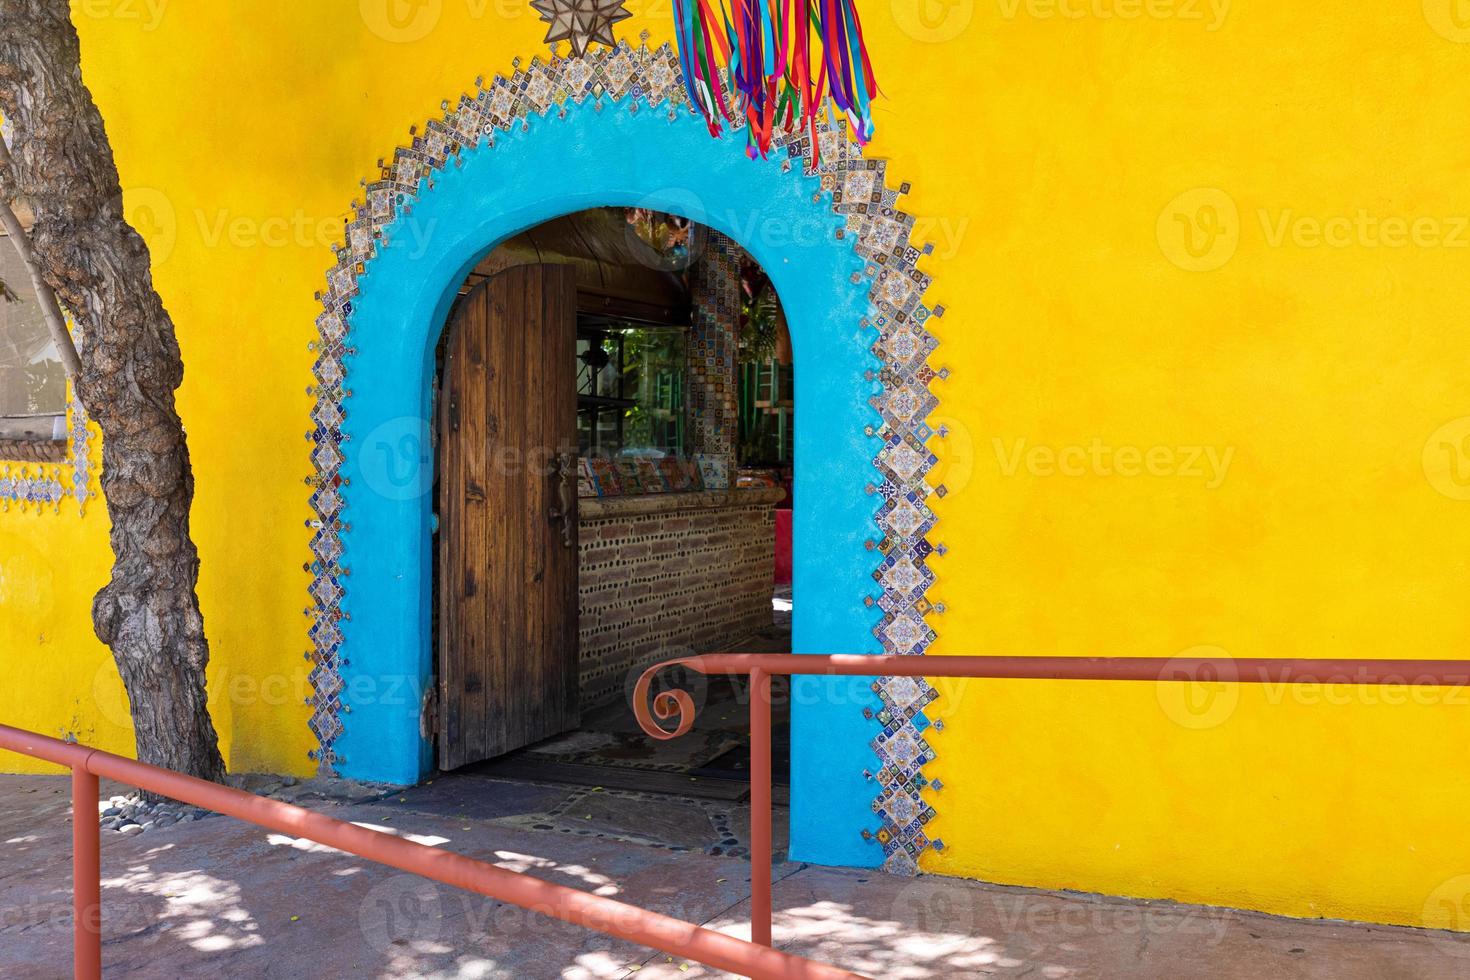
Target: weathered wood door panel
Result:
[[507, 516]]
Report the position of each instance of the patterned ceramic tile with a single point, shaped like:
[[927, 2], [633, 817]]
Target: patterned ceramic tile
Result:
[[714, 287], [858, 191], [42, 485]]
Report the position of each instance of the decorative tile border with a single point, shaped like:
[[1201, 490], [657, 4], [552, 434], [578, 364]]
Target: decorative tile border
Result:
[[31, 484], [651, 82], [714, 290]]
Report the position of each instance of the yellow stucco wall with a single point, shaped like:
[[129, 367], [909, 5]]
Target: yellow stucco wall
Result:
[[1059, 151], [54, 675], [1322, 372]]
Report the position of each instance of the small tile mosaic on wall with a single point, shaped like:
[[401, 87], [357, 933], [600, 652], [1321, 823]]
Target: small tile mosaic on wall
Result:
[[28, 484], [648, 80], [714, 292]]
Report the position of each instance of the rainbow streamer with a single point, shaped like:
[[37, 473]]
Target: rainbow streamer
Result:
[[753, 59]]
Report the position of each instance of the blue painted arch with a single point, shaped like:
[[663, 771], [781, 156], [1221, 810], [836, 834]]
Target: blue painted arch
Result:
[[590, 157]]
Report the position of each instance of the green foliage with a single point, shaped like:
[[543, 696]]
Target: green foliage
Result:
[[760, 331], [650, 358]]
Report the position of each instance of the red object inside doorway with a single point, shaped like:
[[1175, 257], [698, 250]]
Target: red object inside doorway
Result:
[[783, 547]]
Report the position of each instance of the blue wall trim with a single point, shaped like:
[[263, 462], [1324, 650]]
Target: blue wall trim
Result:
[[593, 155]]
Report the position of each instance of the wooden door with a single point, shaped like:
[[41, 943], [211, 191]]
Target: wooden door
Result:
[[508, 516]]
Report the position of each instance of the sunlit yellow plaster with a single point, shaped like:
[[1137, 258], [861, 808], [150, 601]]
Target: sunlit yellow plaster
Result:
[[1056, 163], [1073, 154]]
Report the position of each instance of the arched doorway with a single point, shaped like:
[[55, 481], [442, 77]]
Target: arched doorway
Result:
[[836, 250], [613, 416]]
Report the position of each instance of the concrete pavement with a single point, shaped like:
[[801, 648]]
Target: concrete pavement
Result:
[[220, 898]]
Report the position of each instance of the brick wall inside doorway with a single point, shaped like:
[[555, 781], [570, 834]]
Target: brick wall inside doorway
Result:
[[664, 575]]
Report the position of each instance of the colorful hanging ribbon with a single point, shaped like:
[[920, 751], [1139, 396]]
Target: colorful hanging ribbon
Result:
[[753, 58]]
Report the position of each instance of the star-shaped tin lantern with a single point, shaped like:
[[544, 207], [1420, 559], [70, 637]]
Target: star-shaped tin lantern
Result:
[[580, 21]]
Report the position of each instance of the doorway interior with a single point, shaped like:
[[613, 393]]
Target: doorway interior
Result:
[[614, 417]]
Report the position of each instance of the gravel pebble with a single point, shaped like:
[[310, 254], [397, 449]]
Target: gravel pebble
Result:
[[130, 814]]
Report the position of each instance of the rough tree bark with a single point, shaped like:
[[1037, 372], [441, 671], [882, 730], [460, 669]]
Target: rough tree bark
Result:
[[61, 165]]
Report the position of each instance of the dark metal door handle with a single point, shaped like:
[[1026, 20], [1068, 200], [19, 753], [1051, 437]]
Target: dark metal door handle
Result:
[[563, 471]]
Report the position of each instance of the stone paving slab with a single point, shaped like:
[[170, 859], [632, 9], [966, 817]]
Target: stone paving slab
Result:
[[677, 822], [218, 897]]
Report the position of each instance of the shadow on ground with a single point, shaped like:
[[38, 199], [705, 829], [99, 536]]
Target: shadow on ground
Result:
[[219, 897]]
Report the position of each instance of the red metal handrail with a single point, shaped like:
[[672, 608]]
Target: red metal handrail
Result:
[[617, 919], [753, 959], [673, 703]]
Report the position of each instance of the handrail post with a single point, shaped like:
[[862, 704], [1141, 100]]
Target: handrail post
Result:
[[620, 920], [760, 806], [86, 876]]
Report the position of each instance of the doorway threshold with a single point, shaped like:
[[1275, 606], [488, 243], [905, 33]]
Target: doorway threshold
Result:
[[534, 768]]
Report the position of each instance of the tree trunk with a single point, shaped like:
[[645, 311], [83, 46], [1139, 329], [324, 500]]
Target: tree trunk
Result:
[[61, 165]]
